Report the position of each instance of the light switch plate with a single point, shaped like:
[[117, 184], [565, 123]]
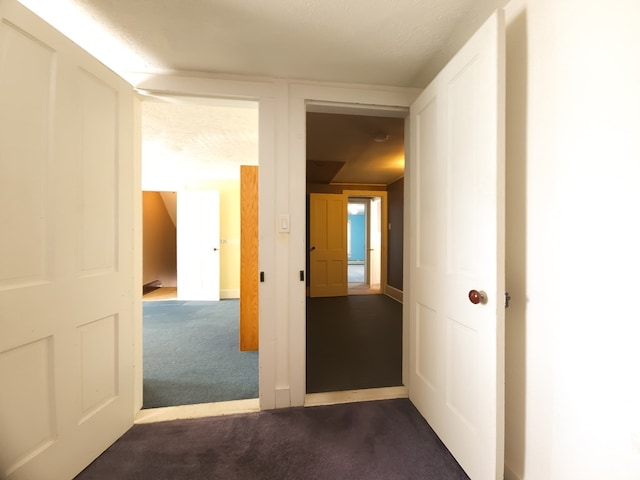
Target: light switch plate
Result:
[[283, 223]]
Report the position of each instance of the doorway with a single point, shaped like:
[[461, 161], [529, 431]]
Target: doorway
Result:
[[196, 146], [359, 158], [364, 245]]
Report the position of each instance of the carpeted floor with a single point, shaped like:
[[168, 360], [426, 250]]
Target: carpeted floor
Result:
[[192, 355], [353, 342], [372, 440], [191, 350]]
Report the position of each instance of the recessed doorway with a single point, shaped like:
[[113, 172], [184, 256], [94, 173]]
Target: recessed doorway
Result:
[[354, 335], [195, 149]]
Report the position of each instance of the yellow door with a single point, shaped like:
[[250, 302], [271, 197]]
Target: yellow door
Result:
[[327, 245]]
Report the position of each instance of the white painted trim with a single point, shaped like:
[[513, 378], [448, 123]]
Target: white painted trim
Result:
[[193, 86], [181, 412], [233, 293], [271, 292], [137, 256], [350, 396]]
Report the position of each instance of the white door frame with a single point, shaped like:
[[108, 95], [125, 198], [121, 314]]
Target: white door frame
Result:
[[326, 99], [265, 95], [366, 197]]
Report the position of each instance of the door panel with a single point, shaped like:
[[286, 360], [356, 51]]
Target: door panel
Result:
[[456, 169], [66, 252], [328, 245]]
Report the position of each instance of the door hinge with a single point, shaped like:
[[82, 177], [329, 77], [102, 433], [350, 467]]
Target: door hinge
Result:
[[507, 299]]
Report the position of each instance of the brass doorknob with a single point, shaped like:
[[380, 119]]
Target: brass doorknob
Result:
[[477, 297]]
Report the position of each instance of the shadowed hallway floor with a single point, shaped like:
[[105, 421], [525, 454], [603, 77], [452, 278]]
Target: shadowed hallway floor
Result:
[[386, 439], [353, 342]]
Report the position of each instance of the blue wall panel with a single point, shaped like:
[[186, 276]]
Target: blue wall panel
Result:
[[357, 238]]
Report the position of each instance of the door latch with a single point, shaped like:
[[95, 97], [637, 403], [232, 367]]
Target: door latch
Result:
[[507, 299]]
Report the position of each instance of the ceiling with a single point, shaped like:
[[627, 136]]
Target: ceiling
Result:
[[186, 141], [348, 149], [400, 43]]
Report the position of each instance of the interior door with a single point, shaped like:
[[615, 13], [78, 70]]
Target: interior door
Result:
[[328, 245], [456, 167], [198, 245], [67, 296], [375, 242], [249, 258]]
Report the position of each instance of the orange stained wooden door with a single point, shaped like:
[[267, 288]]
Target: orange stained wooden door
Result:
[[248, 257]]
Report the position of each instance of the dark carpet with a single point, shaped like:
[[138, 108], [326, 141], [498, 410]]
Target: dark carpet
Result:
[[353, 342], [191, 354], [373, 440]]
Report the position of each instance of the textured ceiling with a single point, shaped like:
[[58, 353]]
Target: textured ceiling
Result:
[[385, 42], [188, 140]]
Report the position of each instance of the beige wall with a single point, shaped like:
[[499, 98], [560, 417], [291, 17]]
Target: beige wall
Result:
[[573, 110]]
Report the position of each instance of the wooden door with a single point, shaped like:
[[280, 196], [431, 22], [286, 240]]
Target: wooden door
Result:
[[67, 293], [328, 245], [249, 266], [456, 172]]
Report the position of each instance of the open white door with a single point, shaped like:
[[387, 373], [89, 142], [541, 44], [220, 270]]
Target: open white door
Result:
[[375, 242], [67, 294], [328, 245], [198, 244], [456, 166]]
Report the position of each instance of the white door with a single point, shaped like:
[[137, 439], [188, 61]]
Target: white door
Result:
[[328, 245], [456, 177], [375, 242], [198, 245], [67, 296]]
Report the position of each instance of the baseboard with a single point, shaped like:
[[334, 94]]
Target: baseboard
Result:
[[229, 293], [394, 293], [350, 396], [151, 286]]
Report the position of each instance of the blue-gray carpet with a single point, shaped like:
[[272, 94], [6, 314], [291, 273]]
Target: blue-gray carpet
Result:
[[191, 354]]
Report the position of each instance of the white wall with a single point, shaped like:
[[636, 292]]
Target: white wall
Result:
[[580, 191]]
